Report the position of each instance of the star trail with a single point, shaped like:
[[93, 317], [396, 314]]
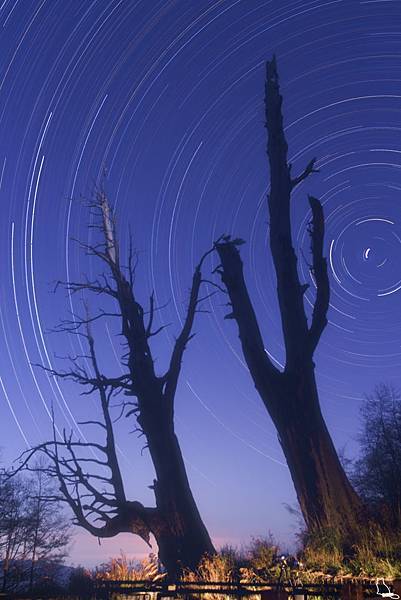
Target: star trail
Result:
[[163, 102]]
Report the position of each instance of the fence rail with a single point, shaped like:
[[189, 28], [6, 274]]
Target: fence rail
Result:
[[269, 590]]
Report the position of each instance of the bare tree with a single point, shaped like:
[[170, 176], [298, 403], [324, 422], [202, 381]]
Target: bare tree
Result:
[[325, 495], [34, 532], [377, 472], [49, 529], [14, 528], [98, 500]]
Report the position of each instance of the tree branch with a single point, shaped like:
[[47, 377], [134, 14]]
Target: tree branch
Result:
[[93, 286], [289, 289], [309, 169], [319, 270], [172, 375], [111, 454], [260, 366], [79, 375]]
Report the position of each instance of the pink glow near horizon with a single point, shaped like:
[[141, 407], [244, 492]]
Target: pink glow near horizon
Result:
[[86, 550]]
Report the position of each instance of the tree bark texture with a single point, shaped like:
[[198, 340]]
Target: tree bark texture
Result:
[[324, 493]]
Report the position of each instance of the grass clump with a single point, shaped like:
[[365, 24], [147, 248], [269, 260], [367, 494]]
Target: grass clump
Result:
[[322, 555], [256, 562], [125, 569], [219, 567], [376, 553]]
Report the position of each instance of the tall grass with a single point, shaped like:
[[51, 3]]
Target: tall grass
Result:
[[376, 553], [218, 567], [125, 569], [323, 556]]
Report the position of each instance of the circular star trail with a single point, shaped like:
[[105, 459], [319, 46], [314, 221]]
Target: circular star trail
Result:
[[163, 101]]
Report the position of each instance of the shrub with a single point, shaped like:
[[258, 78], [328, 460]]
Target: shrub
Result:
[[80, 583], [262, 553]]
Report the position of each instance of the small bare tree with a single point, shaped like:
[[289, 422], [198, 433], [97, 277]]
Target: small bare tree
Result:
[[98, 500], [377, 472], [34, 532], [14, 529], [49, 529], [290, 396]]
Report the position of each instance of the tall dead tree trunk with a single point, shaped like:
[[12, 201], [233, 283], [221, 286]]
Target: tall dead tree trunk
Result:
[[324, 493], [175, 521], [181, 535]]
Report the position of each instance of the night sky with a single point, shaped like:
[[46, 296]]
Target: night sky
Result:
[[166, 99]]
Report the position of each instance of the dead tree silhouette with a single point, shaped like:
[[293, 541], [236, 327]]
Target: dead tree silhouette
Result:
[[324, 493], [99, 501]]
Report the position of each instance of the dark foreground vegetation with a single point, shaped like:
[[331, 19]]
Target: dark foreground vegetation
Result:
[[231, 573]]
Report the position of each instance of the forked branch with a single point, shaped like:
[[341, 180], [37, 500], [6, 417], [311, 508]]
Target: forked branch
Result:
[[172, 375]]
